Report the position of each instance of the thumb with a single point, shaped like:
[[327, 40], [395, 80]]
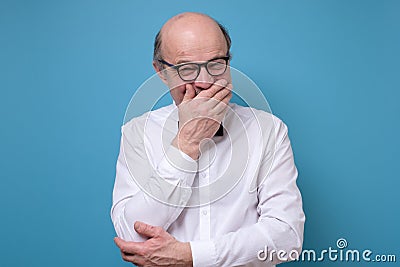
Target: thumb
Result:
[[145, 229], [190, 93]]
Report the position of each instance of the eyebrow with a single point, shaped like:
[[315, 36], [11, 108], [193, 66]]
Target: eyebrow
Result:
[[188, 61]]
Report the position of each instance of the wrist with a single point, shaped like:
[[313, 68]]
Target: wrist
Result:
[[190, 149], [187, 254]]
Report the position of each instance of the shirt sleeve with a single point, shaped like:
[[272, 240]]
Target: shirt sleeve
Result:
[[141, 190], [281, 218]]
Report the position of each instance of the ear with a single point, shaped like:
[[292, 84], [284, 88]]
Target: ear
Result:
[[160, 72]]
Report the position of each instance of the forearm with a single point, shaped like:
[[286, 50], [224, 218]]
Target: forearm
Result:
[[242, 247], [152, 194], [140, 208], [150, 207]]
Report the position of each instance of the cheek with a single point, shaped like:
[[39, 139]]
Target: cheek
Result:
[[227, 75], [174, 81], [177, 87]]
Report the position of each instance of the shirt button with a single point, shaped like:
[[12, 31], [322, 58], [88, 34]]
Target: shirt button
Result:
[[204, 212]]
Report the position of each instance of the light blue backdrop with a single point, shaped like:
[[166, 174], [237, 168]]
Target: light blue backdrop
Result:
[[330, 70]]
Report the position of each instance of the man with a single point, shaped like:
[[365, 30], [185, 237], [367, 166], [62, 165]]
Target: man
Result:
[[182, 192]]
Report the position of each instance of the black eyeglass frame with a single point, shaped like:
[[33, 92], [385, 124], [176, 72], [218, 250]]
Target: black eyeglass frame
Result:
[[176, 67]]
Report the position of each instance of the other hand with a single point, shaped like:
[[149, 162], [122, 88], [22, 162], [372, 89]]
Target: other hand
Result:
[[161, 249]]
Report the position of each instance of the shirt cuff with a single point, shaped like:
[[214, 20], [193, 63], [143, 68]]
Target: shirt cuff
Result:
[[176, 164], [203, 253]]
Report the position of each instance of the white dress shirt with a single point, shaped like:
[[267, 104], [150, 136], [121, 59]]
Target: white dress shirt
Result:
[[238, 198]]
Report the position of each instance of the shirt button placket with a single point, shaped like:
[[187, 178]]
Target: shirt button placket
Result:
[[204, 210]]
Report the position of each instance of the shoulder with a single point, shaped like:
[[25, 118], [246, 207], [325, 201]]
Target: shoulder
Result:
[[154, 118], [265, 120]]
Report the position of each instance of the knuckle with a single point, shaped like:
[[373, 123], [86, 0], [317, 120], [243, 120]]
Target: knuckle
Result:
[[123, 249], [158, 230], [146, 254], [141, 252]]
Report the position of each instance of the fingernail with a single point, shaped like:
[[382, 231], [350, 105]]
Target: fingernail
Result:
[[137, 225]]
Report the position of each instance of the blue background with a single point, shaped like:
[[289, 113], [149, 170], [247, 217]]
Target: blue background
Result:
[[329, 69]]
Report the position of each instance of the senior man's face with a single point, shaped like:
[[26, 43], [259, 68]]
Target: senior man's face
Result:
[[192, 41]]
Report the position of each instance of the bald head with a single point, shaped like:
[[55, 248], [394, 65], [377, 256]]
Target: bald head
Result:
[[190, 33]]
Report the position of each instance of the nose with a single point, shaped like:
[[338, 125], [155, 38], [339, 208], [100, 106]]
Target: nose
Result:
[[204, 80]]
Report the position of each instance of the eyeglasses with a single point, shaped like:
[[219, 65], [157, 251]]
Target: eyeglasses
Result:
[[190, 71]]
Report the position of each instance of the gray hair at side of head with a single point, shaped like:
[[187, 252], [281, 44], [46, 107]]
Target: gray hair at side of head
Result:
[[157, 44]]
